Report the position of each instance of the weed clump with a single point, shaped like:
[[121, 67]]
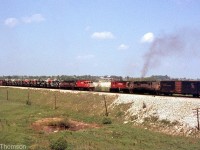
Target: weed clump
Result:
[[28, 102], [60, 123], [165, 122], [152, 119], [59, 144], [106, 120]]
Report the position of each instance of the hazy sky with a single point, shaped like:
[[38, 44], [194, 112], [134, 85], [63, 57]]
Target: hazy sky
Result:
[[100, 37]]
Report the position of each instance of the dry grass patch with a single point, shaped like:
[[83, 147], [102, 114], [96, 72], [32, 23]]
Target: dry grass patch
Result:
[[49, 125]]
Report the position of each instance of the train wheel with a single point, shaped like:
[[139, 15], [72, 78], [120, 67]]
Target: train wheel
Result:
[[131, 91], [195, 95]]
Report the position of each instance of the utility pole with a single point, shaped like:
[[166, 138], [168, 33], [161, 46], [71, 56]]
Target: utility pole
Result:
[[55, 101], [7, 94], [28, 95], [197, 111], [105, 106]]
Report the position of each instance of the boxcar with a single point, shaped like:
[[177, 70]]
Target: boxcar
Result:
[[188, 88], [167, 87]]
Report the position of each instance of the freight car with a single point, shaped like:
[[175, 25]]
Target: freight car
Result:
[[180, 87], [70, 85], [2, 83], [52, 83], [167, 87], [187, 88]]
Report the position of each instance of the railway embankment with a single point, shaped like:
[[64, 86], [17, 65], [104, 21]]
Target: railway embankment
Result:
[[172, 115]]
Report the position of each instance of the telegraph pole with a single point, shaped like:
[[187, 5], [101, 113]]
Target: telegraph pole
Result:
[[55, 99], [105, 106], [197, 115], [7, 94]]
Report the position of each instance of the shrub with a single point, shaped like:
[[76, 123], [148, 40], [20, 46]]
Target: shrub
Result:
[[165, 122], [60, 123], [106, 120], [59, 144], [151, 119]]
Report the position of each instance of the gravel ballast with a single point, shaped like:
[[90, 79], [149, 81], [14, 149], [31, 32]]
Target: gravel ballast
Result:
[[172, 109]]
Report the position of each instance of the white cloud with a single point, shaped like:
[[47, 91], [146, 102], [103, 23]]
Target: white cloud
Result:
[[85, 57], [11, 22], [123, 47], [102, 35], [147, 38], [33, 18]]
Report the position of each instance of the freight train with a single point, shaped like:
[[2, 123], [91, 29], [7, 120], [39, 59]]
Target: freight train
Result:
[[149, 87]]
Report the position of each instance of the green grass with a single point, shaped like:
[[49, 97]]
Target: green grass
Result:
[[16, 118]]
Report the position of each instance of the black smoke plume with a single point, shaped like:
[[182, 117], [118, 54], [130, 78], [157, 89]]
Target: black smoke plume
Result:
[[170, 45]]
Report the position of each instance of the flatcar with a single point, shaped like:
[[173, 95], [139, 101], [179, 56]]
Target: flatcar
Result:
[[52, 83], [70, 85], [2, 83]]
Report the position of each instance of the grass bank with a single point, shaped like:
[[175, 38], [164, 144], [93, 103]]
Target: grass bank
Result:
[[24, 107]]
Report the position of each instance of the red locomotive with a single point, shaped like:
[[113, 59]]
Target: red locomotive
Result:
[[121, 86], [84, 85], [77, 85]]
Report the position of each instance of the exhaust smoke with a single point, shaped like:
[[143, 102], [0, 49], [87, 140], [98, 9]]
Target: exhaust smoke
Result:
[[168, 45]]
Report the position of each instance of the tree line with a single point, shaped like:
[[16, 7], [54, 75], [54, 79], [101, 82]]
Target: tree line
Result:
[[93, 78]]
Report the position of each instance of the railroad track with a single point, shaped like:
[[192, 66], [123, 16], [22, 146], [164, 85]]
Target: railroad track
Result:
[[102, 92]]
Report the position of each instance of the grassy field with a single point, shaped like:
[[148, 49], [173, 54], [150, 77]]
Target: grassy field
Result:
[[17, 114]]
